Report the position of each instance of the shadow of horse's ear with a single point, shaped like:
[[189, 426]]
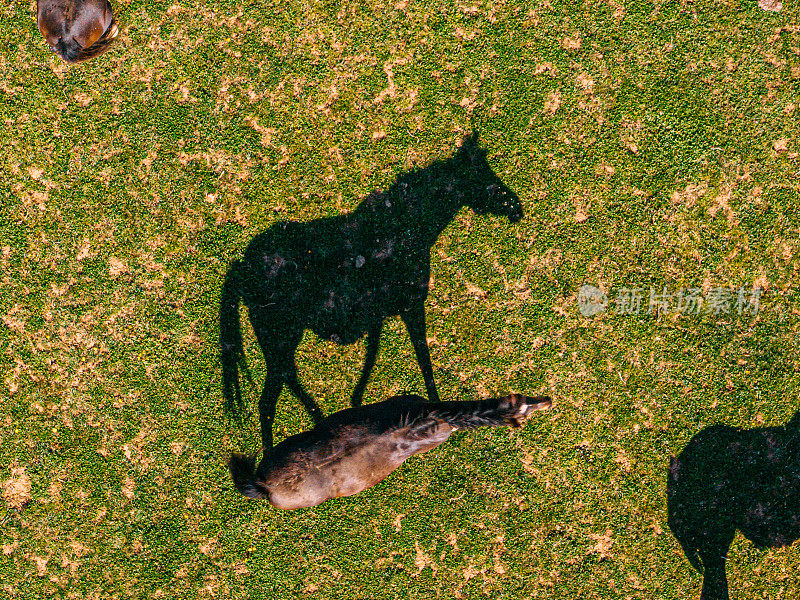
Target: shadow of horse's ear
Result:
[[471, 141], [470, 147], [794, 422]]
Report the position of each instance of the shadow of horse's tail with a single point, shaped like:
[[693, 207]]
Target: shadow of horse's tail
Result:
[[692, 552], [230, 338]]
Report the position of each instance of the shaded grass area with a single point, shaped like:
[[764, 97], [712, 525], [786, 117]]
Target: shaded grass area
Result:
[[645, 140]]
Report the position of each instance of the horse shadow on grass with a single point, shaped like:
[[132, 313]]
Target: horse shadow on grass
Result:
[[342, 276], [727, 479]]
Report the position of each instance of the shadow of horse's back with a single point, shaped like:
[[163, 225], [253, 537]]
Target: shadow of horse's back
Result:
[[755, 476], [331, 275], [773, 471]]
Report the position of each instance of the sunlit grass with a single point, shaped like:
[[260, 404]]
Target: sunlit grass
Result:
[[651, 144]]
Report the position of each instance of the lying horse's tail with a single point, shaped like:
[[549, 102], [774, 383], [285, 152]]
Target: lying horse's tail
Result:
[[243, 475], [230, 337], [509, 410]]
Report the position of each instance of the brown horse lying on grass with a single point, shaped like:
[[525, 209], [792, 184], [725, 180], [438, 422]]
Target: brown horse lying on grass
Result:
[[76, 29], [357, 448]]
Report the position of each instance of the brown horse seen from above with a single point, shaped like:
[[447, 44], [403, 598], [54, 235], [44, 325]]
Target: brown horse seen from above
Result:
[[356, 448], [76, 30], [342, 276]]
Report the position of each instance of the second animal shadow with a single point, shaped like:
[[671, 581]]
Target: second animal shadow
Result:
[[342, 276], [727, 479]]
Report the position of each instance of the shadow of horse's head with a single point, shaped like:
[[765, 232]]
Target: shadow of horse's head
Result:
[[488, 192], [76, 30]]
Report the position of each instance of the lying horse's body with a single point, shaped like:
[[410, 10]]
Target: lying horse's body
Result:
[[76, 30], [727, 479], [342, 276], [356, 448]]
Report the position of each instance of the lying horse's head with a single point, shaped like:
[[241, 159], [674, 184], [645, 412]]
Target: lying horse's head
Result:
[[487, 193], [76, 29]]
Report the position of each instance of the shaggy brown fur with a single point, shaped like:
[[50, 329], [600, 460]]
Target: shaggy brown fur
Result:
[[356, 448], [76, 29]]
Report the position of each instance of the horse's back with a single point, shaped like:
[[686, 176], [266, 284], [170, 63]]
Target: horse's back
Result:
[[346, 453], [360, 466]]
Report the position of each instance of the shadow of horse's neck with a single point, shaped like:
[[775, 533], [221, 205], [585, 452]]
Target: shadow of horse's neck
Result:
[[794, 424], [420, 203]]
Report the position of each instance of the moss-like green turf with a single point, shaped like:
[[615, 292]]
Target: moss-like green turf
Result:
[[652, 144]]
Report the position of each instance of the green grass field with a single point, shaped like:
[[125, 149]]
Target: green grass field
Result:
[[652, 144]]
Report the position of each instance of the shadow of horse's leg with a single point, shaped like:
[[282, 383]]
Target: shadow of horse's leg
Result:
[[273, 385], [715, 581], [283, 354], [373, 341], [414, 319], [278, 347], [294, 385]]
